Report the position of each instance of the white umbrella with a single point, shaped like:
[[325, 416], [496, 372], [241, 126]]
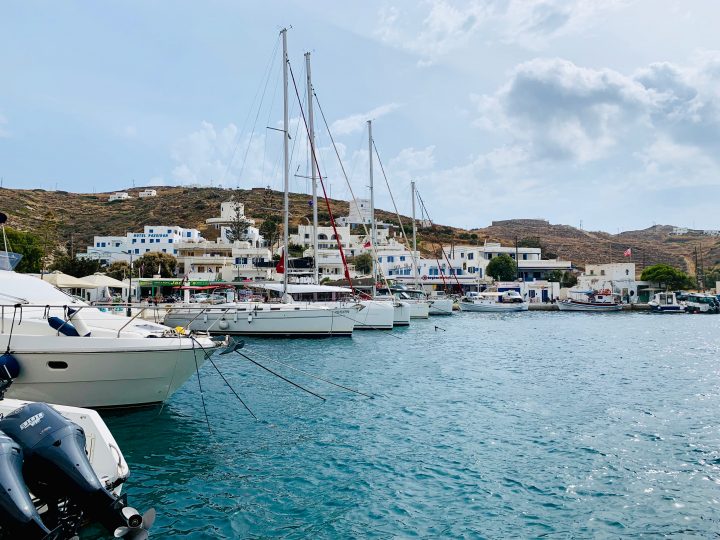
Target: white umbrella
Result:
[[65, 281], [103, 280]]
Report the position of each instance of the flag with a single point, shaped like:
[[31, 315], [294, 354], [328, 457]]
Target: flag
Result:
[[628, 252], [367, 244], [280, 266]]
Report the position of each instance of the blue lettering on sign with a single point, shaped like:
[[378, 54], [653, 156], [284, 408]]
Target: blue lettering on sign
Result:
[[152, 235]]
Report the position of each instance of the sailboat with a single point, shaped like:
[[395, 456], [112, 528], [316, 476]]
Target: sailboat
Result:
[[284, 318]]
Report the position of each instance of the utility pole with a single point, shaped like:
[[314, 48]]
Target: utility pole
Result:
[[373, 231], [517, 260]]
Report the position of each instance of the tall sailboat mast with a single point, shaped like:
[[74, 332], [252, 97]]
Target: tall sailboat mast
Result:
[[414, 229], [311, 129], [373, 230], [286, 134]]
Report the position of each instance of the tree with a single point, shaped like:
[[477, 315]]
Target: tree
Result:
[[502, 268], [270, 230], [555, 276], [569, 280], [363, 263], [296, 250], [118, 270], [29, 246], [75, 267], [238, 228], [667, 276], [147, 265]]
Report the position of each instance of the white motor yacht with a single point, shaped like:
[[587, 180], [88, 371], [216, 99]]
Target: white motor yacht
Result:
[[493, 302], [666, 302], [71, 353]]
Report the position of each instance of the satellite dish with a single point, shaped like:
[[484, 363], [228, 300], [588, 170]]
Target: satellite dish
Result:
[[3, 218]]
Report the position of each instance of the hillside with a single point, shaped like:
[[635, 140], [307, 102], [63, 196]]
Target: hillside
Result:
[[77, 217]]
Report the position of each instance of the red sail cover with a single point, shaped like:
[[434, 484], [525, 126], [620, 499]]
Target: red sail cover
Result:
[[280, 266]]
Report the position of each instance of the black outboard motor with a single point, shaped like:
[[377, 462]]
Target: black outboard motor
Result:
[[57, 469], [18, 515]]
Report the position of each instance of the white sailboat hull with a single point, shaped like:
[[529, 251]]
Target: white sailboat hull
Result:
[[255, 319], [401, 314], [370, 315], [441, 306]]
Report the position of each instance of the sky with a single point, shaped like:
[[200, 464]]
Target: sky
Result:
[[603, 114]]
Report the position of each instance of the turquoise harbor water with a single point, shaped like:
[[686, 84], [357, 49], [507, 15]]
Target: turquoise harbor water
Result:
[[537, 424]]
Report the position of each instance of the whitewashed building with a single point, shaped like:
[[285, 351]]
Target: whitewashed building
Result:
[[618, 277], [119, 196], [223, 259], [154, 238], [145, 193]]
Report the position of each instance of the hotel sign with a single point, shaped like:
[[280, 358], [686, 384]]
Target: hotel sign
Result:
[[150, 235]]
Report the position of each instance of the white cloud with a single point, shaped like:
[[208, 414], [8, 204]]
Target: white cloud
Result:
[[435, 28], [356, 122]]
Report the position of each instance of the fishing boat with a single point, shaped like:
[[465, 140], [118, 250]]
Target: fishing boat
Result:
[[666, 302], [71, 353], [593, 301], [493, 302]]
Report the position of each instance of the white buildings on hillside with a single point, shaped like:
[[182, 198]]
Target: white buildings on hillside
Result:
[[154, 238], [119, 196], [618, 277], [228, 259], [145, 193], [359, 213], [466, 265]]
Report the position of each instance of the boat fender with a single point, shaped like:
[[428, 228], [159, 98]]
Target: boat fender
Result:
[[223, 325], [64, 327], [9, 367], [76, 320], [250, 318]]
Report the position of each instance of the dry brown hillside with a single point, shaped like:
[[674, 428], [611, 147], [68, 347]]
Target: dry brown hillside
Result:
[[84, 215]]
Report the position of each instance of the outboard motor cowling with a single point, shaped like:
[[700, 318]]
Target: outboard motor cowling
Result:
[[18, 516], [56, 467]]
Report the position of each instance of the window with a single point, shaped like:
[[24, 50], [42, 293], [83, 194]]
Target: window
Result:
[[147, 249], [170, 241], [142, 241], [379, 259], [150, 231], [627, 272], [524, 256], [471, 256], [164, 250], [103, 244], [402, 257], [187, 233], [152, 241], [307, 235], [175, 251], [134, 240], [391, 258], [433, 271], [137, 251], [169, 231], [97, 245], [602, 272]]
